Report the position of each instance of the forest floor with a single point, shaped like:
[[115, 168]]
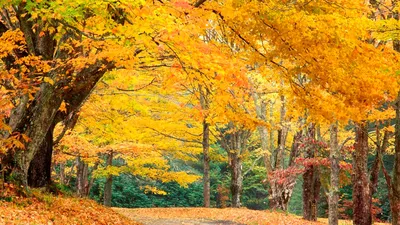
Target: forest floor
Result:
[[213, 216], [43, 208]]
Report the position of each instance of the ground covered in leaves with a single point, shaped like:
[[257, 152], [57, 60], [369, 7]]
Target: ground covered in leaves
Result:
[[42, 208]]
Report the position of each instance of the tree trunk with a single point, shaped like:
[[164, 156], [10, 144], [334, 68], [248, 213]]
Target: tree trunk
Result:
[[206, 163], [333, 196], [206, 146], [108, 184], [361, 187], [261, 111], [282, 134], [236, 179], [234, 141], [62, 173], [82, 174], [396, 171], [311, 187], [39, 173], [381, 146], [40, 118], [281, 192], [311, 182]]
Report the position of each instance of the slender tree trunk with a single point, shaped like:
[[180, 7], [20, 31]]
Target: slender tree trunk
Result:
[[261, 111], [282, 134], [279, 194], [108, 184], [81, 178], [236, 180], [62, 173], [396, 171], [361, 187], [381, 145], [333, 196], [234, 141], [206, 163], [206, 147]]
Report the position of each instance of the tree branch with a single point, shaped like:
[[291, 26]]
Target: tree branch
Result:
[[138, 89], [173, 137]]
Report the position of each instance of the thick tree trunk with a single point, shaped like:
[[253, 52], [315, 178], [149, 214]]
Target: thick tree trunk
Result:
[[280, 193], [361, 187], [396, 171], [333, 196], [108, 184], [206, 163], [40, 119], [39, 173], [236, 179], [311, 183], [311, 186]]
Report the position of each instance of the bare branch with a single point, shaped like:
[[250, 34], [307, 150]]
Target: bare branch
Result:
[[173, 137], [138, 89]]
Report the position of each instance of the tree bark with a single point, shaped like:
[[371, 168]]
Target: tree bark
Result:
[[396, 171], [235, 144], [311, 186], [282, 134], [108, 184], [206, 163], [62, 173], [39, 173], [206, 147], [333, 196], [236, 179], [82, 174], [311, 182], [281, 192], [361, 187]]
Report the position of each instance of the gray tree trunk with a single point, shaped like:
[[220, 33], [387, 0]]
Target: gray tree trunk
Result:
[[206, 147], [333, 196], [108, 184], [206, 164]]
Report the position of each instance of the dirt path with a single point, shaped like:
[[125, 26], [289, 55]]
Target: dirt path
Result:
[[162, 220], [181, 221]]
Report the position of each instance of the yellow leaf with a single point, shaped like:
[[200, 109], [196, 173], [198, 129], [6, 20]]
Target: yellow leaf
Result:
[[48, 80]]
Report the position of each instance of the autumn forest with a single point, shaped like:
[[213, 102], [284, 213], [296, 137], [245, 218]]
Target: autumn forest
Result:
[[200, 112]]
